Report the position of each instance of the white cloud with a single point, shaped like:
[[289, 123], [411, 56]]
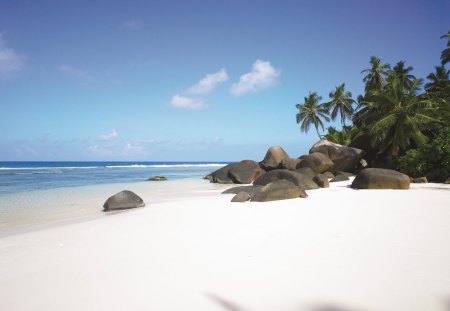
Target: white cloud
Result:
[[132, 25], [10, 61], [74, 72], [109, 136], [195, 94], [262, 76], [178, 101], [208, 83]]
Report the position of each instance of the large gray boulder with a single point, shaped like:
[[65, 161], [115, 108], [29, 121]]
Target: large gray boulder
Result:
[[123, 200], [344, 158], [251, 190], [290, 163], [379, 178], [277, 190], [221, 176], [245, 172], [273, 158], [322, 181], [300, 180], [306, 171], [317, 161], [241, 197]]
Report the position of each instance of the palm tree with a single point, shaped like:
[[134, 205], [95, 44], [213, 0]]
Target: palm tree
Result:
[[365, 112], [438, 80], [401, 115], [311, 112], [403, 74], [358, 118], [341, 102], [439, 89], [374, 78], [445, 56]]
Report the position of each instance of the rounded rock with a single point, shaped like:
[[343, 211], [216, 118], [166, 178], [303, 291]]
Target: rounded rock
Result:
[[123, 200]]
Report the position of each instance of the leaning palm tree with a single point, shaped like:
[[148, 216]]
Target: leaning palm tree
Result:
[[438, 80], [403, 74], [341, 102], [374, 78], [400, 116], [312, 112], [445, 55]]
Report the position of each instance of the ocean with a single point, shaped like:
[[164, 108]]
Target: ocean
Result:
[[47, 192], [18, 177]]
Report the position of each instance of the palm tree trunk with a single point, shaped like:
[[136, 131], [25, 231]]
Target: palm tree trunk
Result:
[[317, 130]]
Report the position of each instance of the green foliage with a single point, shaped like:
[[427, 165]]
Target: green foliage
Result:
[[439, 80], [403, 74], [445, 56], [431, 160], [311, 112], [397, 116], [392, 118], [343, 137], [375, 75]]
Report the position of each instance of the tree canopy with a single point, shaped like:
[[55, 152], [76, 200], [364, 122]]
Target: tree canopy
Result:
[[311, 112], [341, 102], [395, 117]]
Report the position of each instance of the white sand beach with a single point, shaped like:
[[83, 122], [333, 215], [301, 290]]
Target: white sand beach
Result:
[[190, 248]]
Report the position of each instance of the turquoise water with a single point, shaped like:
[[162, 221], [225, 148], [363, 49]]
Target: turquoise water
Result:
[[16, 177], [41, 193]]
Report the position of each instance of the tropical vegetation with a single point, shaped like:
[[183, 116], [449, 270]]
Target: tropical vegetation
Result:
[[402, 122], [311, 112], [342, 103], [431, 159], [343, 137], [375, 75], [445, 56]]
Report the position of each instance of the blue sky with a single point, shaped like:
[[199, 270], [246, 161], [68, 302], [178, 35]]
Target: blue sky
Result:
[[190, 80]]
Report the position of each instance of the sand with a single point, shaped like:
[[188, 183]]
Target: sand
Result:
[[338, 250]]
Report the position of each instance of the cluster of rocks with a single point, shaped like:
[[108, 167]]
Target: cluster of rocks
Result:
[[279, 177]]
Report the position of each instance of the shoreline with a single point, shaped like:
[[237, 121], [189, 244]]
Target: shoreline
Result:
[[373, 250], [90, 207], [39, 209]]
